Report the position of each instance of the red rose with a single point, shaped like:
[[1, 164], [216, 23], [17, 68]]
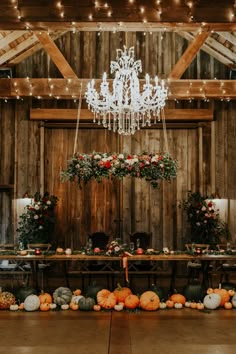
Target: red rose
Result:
[[129, 157], [107, 164], [210, 205]]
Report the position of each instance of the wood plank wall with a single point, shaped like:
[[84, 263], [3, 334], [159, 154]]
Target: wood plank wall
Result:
[[113, 206]]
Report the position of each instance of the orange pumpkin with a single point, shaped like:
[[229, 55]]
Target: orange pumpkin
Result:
[[21, 306], [210, 291], [228, 305], [178, 298], [200, 306], [44, 306], [74, 306], [131, 301], [149, 301], [96, 307], [225, 297], [77, 292], [231, 292], [106, 299], [170, 304], [193, 305], [45, 298], [121, 293]]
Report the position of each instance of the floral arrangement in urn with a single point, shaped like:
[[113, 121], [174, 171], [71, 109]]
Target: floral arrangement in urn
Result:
[[37, 223], [204, 219], [152, 167]]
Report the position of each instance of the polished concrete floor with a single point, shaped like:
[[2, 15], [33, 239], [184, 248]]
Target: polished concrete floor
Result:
[[163, 332]]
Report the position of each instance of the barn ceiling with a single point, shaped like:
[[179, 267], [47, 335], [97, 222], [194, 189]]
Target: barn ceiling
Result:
[[25, 23]]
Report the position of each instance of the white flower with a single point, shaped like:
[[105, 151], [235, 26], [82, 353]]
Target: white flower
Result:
[[77, 166], [40, 227], [36, 217], [36, 207], [203, 208], [97, 157], [130, 161], [135, 159], [166, 250], [154, 159], [161, 165], [110, 158], [198, 223], [147, 162], [49, 202], [104, 159], [117, 249], [120, 156]]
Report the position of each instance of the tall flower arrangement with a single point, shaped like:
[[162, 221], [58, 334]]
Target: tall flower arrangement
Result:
[[152, 167], [37, 223], [204, 219]]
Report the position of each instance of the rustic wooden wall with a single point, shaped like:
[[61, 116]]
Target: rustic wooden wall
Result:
[[206, 155]]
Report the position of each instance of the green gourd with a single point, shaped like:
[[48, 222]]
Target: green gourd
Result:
[[24, 291], [93, 289], [62, 295], [194, 292], [159, 291], [86, 304]]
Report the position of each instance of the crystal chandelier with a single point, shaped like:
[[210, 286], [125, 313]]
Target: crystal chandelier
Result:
[[126, 109]]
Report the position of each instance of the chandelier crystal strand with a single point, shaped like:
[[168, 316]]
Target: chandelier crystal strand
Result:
[[126, 107]]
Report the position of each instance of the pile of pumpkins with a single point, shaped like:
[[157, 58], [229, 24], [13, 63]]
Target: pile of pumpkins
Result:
[[121, 298]]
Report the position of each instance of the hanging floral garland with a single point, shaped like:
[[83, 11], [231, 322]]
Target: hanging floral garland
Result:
[[151, 167]]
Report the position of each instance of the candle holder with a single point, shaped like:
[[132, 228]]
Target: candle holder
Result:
[[198, 251], [37, 251]]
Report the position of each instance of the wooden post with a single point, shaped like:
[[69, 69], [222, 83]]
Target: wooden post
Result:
[[213, 157], [200, 159], [41, 164]]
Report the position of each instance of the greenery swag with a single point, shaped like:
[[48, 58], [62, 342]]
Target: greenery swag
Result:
[[152, 167]]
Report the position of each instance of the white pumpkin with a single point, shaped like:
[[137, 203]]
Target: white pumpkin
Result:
[[76, 298], [212, 301], [178, 305], [162, 305], [14, 307], [53, 306], [233, 300], [119, 307], [65, 307], [187, 304], [31, 303]]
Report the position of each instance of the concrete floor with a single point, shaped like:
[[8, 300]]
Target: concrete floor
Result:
[[163, 332]]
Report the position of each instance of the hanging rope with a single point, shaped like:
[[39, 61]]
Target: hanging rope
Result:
[[78, 118], [166, 147]]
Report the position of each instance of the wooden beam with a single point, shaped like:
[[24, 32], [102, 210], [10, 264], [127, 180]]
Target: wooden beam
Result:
[[230, 37], [70, 88], [188, 55], [18, 49], [132, 26], [180, 115], [33, 49], [10, 37], [220, 56], [55, 54]]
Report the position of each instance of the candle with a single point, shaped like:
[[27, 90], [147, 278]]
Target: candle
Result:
[[37, 251]]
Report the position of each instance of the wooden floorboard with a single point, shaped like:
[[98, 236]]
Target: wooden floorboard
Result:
[[161, 332]]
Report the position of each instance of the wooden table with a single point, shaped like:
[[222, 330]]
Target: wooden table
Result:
[[113, 264]]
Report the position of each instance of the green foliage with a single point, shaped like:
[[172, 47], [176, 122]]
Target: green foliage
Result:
[[37, 223], [204, 219], [151, 167]]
